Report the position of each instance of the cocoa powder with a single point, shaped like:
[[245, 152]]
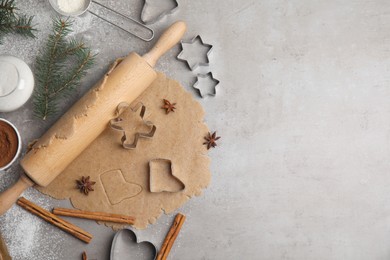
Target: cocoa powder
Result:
[[8, 143]]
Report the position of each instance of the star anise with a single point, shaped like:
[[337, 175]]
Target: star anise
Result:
[[211, 140], [168, 106], [85, 185]]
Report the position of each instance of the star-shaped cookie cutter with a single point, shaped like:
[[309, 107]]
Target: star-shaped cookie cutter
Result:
[[114, 124], [195, 65], [212, 80]]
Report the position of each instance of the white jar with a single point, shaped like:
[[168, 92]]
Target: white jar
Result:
[[16, 83]]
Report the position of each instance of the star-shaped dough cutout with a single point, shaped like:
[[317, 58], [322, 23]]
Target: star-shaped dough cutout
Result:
[[195, 52], [206, 84]]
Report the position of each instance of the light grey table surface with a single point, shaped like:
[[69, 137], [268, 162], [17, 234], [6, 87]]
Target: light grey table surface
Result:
[[302, 170]]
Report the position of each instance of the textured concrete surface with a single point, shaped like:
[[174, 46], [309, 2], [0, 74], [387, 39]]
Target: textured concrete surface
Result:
[[302, 170]]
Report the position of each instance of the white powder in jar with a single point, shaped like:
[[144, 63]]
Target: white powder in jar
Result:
[[71, 6]]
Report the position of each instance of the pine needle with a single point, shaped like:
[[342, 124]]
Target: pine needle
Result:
[[59, 69], [23, 26], [11, 22]]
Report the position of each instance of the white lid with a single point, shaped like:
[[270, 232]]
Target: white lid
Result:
[[16, 83]]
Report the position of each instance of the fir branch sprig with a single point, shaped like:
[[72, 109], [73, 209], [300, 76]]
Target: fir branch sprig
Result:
[[11, 22], [59, 68]]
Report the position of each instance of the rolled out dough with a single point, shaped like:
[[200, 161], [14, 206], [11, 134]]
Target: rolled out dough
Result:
[[122, 176]]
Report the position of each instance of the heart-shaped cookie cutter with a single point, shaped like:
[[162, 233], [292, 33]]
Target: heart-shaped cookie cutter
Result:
[[122, 238]]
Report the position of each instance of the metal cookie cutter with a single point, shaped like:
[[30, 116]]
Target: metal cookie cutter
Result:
[[125, 245], [155, 6], [140, 31], [210, 83], [115, 124], [194, 60], [162, 169]]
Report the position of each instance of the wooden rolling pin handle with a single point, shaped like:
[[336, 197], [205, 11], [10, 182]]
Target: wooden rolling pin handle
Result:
[[167, 40], [9, 197]]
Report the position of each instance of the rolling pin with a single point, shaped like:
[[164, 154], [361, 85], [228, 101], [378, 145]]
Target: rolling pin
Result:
[[89, 117]]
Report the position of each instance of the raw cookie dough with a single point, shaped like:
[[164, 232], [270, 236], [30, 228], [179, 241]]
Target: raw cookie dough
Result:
[[122, 176]]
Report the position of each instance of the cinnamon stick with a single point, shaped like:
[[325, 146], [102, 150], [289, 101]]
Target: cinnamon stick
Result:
[[4, 255], [55, 220], [84, 256], [171, 237], [99, 216]]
